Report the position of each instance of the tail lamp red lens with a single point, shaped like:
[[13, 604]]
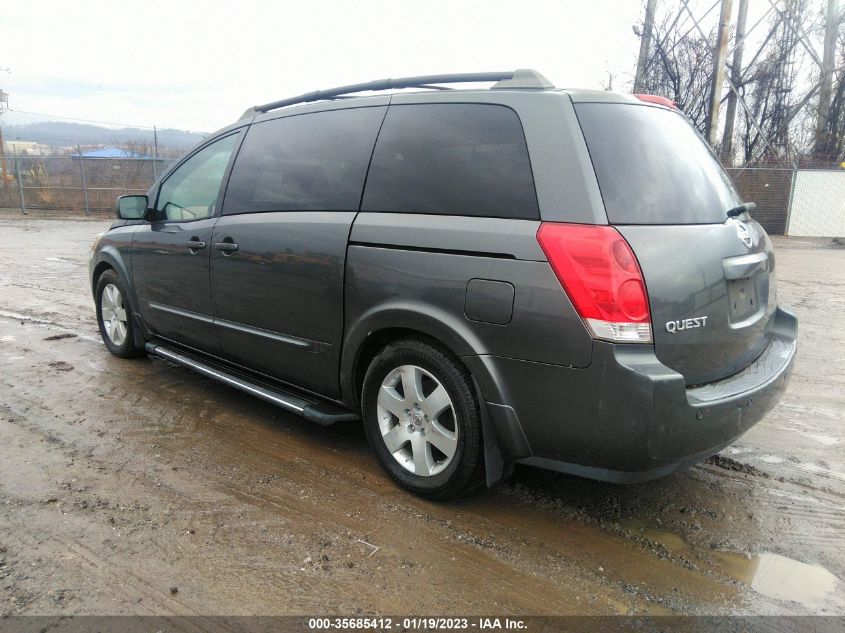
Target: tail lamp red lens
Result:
[[601, 275]]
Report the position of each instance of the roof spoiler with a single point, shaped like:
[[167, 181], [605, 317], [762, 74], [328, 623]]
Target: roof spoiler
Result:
[[522, 79]]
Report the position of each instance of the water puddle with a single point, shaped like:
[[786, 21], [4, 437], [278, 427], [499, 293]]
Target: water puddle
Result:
[[671, 541], [782, 578], [770, 575]]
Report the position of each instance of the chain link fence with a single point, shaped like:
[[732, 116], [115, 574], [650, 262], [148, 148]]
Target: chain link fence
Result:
[[771, 189], [79, 184], [73, 183], [809, 201]]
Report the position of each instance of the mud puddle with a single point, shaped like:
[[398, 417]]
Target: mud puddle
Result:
[[782, 578], [768, 574]]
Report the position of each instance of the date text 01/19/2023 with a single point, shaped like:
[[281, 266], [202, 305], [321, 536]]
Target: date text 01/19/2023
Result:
[[415, 623]]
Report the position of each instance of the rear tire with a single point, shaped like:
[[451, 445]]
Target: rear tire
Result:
[[422, 420], [114, 316]]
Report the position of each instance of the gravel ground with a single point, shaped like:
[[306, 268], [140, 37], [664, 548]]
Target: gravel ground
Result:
[[138, 487]]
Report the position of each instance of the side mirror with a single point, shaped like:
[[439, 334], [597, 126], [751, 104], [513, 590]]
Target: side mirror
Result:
[[131, 207]]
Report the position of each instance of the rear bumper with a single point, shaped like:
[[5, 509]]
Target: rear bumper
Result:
[[627, 417]]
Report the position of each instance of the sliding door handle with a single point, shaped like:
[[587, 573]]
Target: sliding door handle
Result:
[[226, 247]]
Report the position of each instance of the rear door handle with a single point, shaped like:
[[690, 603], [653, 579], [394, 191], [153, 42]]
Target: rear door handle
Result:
[[226, 247], [195, 244]]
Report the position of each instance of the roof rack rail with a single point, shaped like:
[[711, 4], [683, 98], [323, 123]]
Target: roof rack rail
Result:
[[514, 80]]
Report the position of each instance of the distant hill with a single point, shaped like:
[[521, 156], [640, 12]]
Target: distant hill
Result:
[[62, 134]]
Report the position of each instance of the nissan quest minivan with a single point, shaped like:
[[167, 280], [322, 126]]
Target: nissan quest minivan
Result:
[[482, 277]]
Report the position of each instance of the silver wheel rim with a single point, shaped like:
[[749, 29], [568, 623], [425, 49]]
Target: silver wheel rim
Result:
[[114, 314], [417, 421]]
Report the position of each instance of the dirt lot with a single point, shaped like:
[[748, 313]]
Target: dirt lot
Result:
[[137, 487]]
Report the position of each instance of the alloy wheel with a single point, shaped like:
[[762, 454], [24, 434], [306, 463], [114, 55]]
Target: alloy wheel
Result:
[[113, 314], [417, 420]]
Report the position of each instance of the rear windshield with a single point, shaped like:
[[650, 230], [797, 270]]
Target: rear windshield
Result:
[[652, 167]]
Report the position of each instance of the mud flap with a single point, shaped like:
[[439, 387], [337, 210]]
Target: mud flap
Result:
[[140, 333], [495, 467]]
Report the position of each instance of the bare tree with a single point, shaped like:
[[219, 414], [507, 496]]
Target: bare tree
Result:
[[145, 149], [607, 84], [775, 87], [679, 66], [137, 149], [778, 86]]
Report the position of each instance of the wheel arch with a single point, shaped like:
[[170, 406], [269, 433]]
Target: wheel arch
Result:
[[110, 258], [99, 269], [379, 326], [376, 342], [382, 326]]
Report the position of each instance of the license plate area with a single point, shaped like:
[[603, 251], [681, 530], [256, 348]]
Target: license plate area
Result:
[[747, 279], [744, 299]]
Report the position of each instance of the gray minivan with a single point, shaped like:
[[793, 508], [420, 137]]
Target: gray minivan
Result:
[[483, 277]]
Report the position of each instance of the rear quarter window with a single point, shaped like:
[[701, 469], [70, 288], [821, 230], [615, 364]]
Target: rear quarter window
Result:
[[451, 159], [652, 167]]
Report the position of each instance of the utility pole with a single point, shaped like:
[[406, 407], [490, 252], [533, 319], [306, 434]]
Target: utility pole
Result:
[[645, 45], [718, 76], [736, 79], [4, 105], [826, 84], [3, 161], [155, 153]]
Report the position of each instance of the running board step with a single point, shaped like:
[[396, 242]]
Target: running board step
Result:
[[323, 413]]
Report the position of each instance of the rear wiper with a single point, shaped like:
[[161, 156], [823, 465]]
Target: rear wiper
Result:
[[745, 207]]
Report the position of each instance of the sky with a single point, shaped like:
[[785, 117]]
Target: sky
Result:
[[198, 65]]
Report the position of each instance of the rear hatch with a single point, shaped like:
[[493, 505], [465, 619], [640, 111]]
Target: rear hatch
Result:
[[709, 279]]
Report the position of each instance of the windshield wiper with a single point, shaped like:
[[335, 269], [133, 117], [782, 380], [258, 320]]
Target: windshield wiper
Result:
[[745, 207]]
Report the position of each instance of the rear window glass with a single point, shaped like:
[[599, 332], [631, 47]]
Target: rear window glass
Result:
[[652, 167], [306, 162], [455, 159]]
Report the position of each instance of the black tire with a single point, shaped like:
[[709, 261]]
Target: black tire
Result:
[[465, 471], [127, 347]]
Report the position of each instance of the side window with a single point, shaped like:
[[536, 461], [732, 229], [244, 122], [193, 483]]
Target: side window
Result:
[[190, 192], [304, 162], [455, 159]]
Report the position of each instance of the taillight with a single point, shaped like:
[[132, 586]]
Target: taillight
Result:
[[601, 275]]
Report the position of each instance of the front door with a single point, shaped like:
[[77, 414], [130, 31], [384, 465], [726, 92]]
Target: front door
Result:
[[170, 252]]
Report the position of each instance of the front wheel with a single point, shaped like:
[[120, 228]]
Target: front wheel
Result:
[[114, 316], [422, 420]]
